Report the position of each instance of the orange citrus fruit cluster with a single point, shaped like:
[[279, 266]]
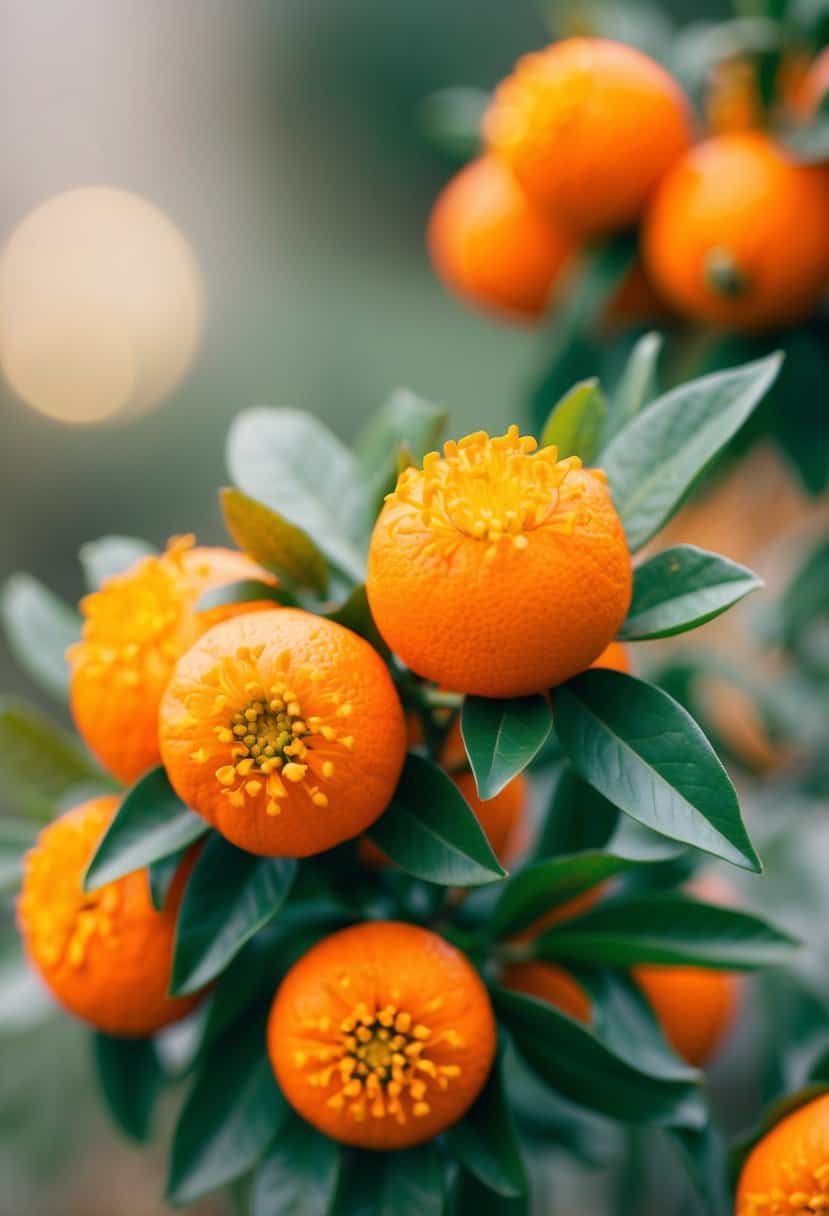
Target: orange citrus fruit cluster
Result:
[[787, 1172]]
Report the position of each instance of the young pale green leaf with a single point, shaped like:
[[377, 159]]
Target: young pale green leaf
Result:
[[584, 1069], [406, 422], [503, 737], [575, 422], [131, 1078], [233, 1112], [290, 462], [16, 836], [470, 1195], [152, 822], [299, 1175], [430, 831], [486, 1142], [657, 457], [40, 763], [670, 929], [160, 875], [637, 384], [245, 591], [229, 896], [682, 588], [272, 541], [403, 1183], [623, 1019], [39, 629], [111, 555], [646, 754]]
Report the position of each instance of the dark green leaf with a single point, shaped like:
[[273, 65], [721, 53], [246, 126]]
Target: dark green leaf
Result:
[[228, 897], [637, 384], [245, 591], [503, 737], [160, 875], [682, 588], [645, 753], [152, 822], [407, 1183], [656, 458], [471, 1198], [131, 1078], [623, 1019], [40, 763], [575, 422], [111, 555], [703, 1153], [299, 1175], [578, 818], [430, 831], [272, 541], [486, 1142], [450, 120], [39, 629]]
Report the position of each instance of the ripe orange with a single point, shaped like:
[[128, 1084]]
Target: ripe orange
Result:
[[694, 1006], [737, 234], [135, 628], [105, 955], [382, 1035], [788, 1171], [498, 570], [615, 657], [589, 127], [490, 245], [284, 731], [733, 102], [549, 983]]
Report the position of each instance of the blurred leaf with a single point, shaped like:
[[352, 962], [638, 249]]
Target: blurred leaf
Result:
[[450, 119], [355, 614], [272, 541], [637, 384], [110, 555], [39, 629], [645, 753], [152, 822], [290, 462], [430, 831], [799, 412], [131, 1079], [299, 1175], [623, 1019], [638, 23], [502, 737], [653, 462], [407, 1182], [16, 836], [682, 588], [578, 818], [809, 142], [703, 1153], [40, 762], [804, 604], [245, 591], [575, 422], [160, 875], [469, 1196], [406, 423], [774, 1114], [486, 1142], [228, 897]]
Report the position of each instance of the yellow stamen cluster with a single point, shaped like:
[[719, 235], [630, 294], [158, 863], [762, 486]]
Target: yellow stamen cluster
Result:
[[796, 1199], [62, 920], [491, 489], [380, 1060]]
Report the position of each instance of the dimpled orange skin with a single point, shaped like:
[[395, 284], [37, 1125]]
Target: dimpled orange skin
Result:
[[135, 627], [367, 994], [788, 1171], [315, 693], [105, 955], [492, 247], [498, 571], [589, 127], [741, 198], [694, 1006]]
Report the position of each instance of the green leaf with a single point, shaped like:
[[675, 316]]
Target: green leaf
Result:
[[405, 423], [299, 1176], [486, 1142], [430, 831], [245, 591], [653, 462], [271, 540], [131, 1078], [110, 555], [808, 143], [682, 588], [402, 1183], [160, 875], [577, 818], [40, 763], [670, 929], [152, 822], [703, 1154], [584, 1069], [804, 605], [228, 897], [450, 120], [646, 754], [503, 737], [637, 384], [623, 1019], [293, 464], [469, 1195], [575, 422], [39, 629], [16, 836], [233, 1112]]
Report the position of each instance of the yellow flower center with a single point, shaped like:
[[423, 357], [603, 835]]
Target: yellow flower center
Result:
[[806, 1194], [61, 919], [381, 1060]]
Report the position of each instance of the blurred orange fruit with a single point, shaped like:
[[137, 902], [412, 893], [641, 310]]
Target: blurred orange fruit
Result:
[[812, 86], [788, 1171], [549, 983], [694, 1006], [733, 102]]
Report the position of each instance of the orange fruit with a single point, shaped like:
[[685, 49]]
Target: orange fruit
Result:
[[615, 657], [810, 86], [106, 955], [694, 1006], [589, 127], [636, 302], [733, 102], [492, 246], [737, 234], [284, 730], [498, 570], [382, 1035], [135, 627], [549, 983], [788, 1171]]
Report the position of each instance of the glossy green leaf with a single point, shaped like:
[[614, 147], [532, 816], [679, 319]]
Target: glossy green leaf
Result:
[[577, 818], [637, 385], [406, 423], [670, 929], [503, 737], [430, 831], [229, 896], [653, 462], [575, 422], [299, 1175], [450, 120], [160, 875], [131, 1078], [39, 629], [486, 1142], [245, 591], [271, 540], [152, 822], [682, 588], [646, 754], [40, 763], [110, 555], [470, 1197], [403, 1183], [623, 1019]]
